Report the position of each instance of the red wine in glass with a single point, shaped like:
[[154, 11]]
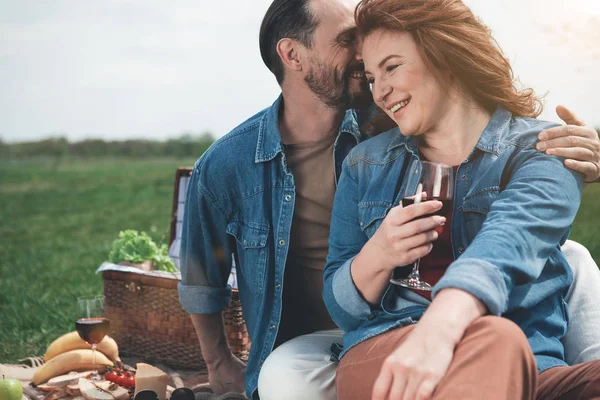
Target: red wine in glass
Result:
[[92, 330], [436, 183]]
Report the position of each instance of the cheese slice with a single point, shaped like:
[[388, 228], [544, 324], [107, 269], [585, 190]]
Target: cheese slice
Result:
[[148, 377]]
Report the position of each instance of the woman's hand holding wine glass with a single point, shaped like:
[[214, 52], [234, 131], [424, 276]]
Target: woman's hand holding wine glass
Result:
[[406, 234], [435, 185]]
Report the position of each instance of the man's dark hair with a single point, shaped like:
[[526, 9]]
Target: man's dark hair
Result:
[[292, 19]]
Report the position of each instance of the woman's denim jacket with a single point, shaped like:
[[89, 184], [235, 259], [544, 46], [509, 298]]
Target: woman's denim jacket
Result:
[[513, 208]]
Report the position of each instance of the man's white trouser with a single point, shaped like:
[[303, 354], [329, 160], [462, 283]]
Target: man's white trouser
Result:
[[582, 341], [301, 369]]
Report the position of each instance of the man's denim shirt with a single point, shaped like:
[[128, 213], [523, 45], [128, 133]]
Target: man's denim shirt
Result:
[[513, 207], [240, 201]]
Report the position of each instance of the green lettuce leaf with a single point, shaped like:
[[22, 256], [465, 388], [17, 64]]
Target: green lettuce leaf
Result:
[[162, 261], [137, 247]]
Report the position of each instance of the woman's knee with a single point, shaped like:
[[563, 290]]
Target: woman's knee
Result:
[[500, 333]]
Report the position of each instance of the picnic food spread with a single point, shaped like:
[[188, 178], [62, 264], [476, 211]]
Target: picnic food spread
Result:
[[73, 372], [85, 386]]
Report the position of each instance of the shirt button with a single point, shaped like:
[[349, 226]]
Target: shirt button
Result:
[[460, 208], [277, 286], [282, 242], [288, 197], [361, 223], [461, 250], [371, 317], [463, 177], [272, 326]]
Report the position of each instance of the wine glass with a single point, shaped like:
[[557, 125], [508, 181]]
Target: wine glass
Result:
[[91, 326], [436, 183]]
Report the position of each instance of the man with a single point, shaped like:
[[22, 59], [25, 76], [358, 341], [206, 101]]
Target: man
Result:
[[264, 193]]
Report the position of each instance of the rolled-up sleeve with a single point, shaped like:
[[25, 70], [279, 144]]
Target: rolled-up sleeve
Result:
[[205, 251], [344, 302], [527, 221]]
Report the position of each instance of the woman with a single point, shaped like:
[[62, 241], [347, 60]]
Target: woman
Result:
[[499, 278]]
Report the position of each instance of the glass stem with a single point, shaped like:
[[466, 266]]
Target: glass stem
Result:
[[415, 271], [94, 356]]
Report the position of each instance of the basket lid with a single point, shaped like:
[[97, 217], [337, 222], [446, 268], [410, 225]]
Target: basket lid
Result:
[[182, 179]]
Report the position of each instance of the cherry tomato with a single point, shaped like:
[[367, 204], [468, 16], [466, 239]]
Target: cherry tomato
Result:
[[129, 380], [110, 376], [120, 378]]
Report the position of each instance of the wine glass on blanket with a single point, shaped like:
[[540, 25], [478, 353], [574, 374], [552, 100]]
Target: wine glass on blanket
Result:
[[91, 325], [436, 183]]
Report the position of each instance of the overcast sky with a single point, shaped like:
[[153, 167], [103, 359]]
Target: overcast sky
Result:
[[118, 69]]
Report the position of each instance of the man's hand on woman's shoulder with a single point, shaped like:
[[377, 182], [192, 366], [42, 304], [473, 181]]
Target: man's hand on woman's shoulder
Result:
[[576, 142]]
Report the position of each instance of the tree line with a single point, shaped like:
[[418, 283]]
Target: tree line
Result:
[[187, 145]]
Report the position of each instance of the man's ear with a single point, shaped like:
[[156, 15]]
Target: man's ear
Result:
[[289, 52]]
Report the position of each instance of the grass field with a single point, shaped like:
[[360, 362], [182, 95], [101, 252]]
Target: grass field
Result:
[[57, 225]]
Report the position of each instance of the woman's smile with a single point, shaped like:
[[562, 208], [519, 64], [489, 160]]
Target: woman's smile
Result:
[[398, 109]]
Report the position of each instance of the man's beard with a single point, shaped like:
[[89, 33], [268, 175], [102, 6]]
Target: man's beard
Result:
[[332, 86]]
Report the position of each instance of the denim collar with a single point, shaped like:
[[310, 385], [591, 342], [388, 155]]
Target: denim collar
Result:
[[489, 141], [498, 126], [269, 137]]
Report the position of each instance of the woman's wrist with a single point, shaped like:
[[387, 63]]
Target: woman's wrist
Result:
[[371, 255], [452, 311], [369, 276]]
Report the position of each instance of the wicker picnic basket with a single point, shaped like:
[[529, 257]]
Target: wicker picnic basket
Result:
[[146, 318]]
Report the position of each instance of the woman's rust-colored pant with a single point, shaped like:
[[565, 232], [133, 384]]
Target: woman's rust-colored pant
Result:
[[492, 362]]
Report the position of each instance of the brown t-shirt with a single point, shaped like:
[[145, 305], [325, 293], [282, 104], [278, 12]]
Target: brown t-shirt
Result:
[[304, 312]]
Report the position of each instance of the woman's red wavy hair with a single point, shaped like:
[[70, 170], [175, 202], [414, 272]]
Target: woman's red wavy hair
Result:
[[451, 39]]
